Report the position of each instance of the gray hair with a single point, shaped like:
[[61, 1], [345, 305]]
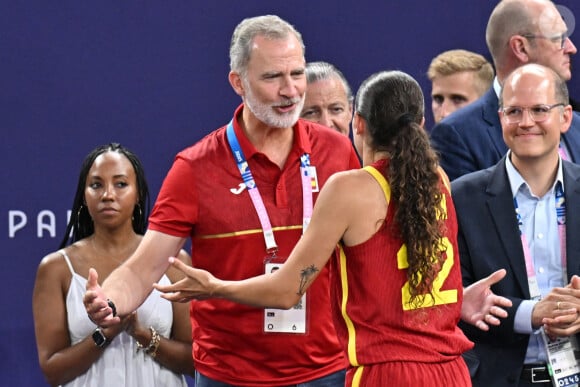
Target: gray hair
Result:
[[270, 26], [320, 71]]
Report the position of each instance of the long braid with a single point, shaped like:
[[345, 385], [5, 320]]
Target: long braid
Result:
[[392, 105], [415, 188]]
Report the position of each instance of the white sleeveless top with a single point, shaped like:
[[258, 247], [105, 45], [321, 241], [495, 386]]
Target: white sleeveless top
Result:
[[121, 364]]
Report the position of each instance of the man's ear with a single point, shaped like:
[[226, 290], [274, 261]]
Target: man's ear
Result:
[[566, 118], [520, 48], [236, 82]]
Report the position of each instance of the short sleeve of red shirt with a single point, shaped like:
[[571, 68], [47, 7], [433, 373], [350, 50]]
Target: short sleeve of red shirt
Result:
[[175, 211]]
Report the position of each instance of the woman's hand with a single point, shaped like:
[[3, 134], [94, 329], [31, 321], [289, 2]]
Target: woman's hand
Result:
[[481, 307], [197, 285]]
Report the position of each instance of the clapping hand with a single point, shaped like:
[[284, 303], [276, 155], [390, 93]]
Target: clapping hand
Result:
[[96, 303]]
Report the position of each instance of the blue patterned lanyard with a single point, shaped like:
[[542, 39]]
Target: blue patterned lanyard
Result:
[[244, 168], [561, 219]]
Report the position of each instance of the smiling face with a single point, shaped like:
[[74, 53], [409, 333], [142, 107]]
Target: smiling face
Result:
[[532, 141], [274, 84], [111, 190], [327, 104]]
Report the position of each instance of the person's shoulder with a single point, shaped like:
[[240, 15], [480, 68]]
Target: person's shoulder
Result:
[[571, 168], [348, 177], [51, 258], [473, 181], [53, 265], [339, 187], [360, 178], [345, 180], [212, 144], [571, 175]]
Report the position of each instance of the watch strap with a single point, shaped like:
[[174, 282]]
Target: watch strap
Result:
[[112, 306]]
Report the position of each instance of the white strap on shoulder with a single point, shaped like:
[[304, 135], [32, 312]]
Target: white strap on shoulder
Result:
[[67, 260]]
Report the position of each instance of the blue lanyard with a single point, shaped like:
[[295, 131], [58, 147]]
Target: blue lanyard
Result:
[[560, 206]]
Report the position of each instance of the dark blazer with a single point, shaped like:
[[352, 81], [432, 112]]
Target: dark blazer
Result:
[[471, 138], [489, 240]]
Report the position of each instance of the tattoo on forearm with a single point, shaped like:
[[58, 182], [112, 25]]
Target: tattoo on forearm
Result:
[[305, 276]]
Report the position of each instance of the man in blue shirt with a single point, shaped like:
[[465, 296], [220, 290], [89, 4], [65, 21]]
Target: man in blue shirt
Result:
[[512, 216]]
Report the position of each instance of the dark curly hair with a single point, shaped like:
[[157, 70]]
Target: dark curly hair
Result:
[[80, 224], [392, 104]]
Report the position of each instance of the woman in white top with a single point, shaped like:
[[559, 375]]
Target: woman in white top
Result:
[[152, 346]]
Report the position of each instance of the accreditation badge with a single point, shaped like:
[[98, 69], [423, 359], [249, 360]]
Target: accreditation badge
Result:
[[292, 320], [563, 360]]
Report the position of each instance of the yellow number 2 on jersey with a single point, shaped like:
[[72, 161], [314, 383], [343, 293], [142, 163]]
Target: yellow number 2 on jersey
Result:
[[440, 297]]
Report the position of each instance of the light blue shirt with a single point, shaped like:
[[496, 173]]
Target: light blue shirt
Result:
[[540, 228]]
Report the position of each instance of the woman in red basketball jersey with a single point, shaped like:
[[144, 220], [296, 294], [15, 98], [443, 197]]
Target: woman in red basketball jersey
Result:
[[395, 275]]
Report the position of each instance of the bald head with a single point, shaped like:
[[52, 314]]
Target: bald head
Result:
[[528, 31], [537, 78], [508, 18]]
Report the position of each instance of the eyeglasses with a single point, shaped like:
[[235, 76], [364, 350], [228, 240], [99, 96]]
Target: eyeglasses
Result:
[[558, 39], [538, 113]]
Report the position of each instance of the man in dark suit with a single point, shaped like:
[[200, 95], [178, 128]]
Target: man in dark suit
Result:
[[518, 32], [534, 112]]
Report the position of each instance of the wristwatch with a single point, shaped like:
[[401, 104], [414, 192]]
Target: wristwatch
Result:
[[100, 339]]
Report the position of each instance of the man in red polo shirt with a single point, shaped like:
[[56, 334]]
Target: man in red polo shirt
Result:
[[243, 195]]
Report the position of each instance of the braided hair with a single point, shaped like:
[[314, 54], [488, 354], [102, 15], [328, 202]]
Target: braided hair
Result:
[[80, 224], [392, 104]]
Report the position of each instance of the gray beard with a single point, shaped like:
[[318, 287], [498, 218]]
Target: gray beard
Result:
[[267, 115]]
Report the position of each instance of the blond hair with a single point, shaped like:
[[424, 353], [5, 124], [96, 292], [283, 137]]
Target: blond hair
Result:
[[455, 61]]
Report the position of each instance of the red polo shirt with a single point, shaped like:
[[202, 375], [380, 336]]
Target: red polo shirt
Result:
[[200, 198]]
